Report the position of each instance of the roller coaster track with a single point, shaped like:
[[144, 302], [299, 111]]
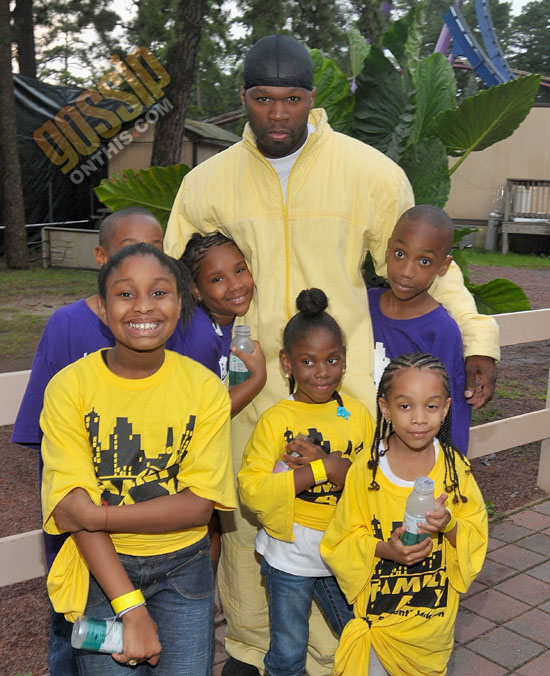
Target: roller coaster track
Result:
[[490, 65]]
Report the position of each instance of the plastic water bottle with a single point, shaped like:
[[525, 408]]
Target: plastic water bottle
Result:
[[238, 372], [281, 465], [103, 636], [421, 500]]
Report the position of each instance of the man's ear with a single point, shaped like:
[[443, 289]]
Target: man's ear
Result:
[[243, 97], [443, 269], [312, 97], [101, 255]]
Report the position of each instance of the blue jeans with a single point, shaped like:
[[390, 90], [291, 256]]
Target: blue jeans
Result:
[[290, 598], [61, 656], [179, 590]]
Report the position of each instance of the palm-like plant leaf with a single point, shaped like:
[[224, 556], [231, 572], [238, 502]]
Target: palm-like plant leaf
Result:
[[486, 118], [435, 91], [332, 92], [358, 50], [426, 166], [498, 296], [380, 101], [154, 189]]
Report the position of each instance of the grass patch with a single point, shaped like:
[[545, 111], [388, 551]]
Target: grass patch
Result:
[[513, 389], [485, 415], [20, 331], [56, 282], [477, 256]]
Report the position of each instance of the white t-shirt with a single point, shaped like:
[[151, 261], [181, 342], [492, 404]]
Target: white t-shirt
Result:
[[301, 557], [386, 470], [283, 165]]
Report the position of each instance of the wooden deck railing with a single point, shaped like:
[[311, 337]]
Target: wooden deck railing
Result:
[[22, 558]]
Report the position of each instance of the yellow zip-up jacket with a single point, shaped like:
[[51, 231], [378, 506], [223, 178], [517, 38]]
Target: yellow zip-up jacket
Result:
[[344, 198]]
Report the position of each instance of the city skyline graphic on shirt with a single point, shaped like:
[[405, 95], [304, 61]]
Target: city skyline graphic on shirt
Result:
[[323, 493], [124, 468]]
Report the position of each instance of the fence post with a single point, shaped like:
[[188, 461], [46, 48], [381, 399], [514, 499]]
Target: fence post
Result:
[[543, 478]]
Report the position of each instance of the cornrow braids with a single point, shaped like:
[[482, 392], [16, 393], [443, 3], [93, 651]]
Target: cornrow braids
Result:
[[384, 429], [198, 246], [196, 249]]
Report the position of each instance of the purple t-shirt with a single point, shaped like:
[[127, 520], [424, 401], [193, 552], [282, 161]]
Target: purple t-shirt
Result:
[[72, 332], [436, 333], [208, 343]]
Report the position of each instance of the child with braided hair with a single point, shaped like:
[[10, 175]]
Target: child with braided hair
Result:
[[405, 597], [223, 288]]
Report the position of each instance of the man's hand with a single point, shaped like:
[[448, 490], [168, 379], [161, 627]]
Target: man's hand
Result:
[[481, 376]]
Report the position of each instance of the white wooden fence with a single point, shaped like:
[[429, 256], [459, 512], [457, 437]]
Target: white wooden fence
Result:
[[22, 557]]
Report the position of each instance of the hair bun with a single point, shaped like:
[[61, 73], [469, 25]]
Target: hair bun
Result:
[[311, 302]]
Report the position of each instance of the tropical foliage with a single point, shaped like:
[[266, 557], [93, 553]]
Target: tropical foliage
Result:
[[405, 105], [154, 189]]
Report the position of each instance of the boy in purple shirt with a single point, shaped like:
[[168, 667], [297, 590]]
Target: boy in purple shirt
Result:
[[405, 318]]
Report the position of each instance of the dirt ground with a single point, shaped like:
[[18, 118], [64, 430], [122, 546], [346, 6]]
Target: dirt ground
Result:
[[508, 481]]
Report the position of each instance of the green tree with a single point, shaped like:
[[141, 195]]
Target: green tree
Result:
[[530, 39], [66, 55], [260, 18], [180, 64], [153, 26], [11, 189], [218, 71], [501, 16], [373, 18], [23, 25], [322, 24]]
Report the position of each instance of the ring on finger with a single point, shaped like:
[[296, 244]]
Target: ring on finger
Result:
[[132, 663]]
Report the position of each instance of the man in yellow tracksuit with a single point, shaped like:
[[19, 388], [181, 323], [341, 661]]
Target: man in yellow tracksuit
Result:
[[304, 204]]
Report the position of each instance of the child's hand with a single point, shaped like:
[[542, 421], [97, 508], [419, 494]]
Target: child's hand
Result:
[[139, 638], [336, 468], [308, 453], [76, 511], [254, 362], [438, 518], [396, 551]]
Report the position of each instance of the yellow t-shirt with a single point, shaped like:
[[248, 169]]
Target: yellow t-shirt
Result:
[[407, 613], [272, 496], [131, 440]]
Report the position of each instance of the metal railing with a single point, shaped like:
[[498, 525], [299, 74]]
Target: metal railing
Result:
[[526, 209], [21, 555]]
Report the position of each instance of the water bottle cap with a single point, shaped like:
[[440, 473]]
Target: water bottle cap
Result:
[[424, 485], [242, 330]]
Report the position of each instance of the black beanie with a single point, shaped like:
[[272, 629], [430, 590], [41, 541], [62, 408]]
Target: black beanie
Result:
[[278, 61]]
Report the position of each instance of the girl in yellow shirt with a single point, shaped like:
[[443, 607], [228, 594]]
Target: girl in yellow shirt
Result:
[[405, 598], [294, 506], [136, 455]]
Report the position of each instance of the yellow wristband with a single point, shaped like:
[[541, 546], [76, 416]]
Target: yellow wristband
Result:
[[452, 523], [127, 601], [319, 471]]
